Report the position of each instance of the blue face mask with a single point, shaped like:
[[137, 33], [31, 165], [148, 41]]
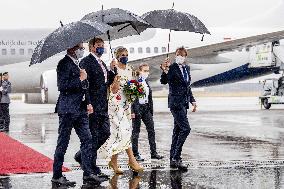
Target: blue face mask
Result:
[[100, 50], [124, 60]]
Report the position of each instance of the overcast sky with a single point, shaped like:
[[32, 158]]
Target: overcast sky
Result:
[[214, 13]]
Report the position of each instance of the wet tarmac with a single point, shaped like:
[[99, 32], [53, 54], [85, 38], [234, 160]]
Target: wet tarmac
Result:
[[233, 144]]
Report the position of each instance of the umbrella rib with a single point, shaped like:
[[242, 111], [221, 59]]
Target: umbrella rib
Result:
[[124, 27]]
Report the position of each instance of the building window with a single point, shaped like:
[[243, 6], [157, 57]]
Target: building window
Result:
[[132, 50], [30, 51], [140, 50], [148, 50], [164, 49], [4, 51], [13, 51], [22, 51], [156, 50]]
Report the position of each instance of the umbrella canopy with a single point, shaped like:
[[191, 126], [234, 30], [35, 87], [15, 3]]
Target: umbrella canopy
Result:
[[175, 20], [67, 37], [124, 23]]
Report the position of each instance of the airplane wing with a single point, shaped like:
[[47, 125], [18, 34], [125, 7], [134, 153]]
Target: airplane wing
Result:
[[210, 54]]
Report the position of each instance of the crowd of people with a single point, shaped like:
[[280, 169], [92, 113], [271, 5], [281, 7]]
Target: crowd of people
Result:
[[93, 102]]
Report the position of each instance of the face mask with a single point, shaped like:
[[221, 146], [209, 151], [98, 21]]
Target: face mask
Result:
[[79, 53], [180, 59], [144, 75], [124, 60], [100, 50]]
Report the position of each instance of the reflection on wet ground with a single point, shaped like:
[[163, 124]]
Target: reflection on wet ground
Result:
[[232, 145]]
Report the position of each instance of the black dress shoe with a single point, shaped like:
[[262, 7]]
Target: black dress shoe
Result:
[[181, 166], [139, 158], [63, 181], [156, 156], [102, 175], [174, 164], [93, 179]]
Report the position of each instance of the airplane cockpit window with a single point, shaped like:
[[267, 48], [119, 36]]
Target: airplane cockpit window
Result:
[[148, 50], [30, 51], [131, 50], [22, 51], [140, 50], [13, 51], [164, 49], [156, 50], [4, 51]]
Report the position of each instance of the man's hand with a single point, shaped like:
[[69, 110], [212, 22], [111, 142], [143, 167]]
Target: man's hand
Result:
[[113, 64], [194, 107], [165, 65], [90, 109], [132, 116], [83, 74]]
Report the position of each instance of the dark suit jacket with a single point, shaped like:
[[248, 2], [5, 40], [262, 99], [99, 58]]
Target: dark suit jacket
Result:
[[98, 89], [70, 88], [180, 93], [136, 106]]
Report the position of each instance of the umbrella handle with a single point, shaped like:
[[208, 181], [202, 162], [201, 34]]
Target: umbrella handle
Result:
[[169, 43]]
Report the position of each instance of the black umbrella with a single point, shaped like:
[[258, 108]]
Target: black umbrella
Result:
[[124, 23], [67, 37], [175, 20]]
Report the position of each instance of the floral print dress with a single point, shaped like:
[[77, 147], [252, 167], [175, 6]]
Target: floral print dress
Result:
[[119, 110]]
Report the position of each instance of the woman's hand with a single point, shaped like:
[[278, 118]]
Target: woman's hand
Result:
[[115, 85]]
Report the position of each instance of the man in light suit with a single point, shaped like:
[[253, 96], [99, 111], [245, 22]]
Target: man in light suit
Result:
[[142, 110], [5, 89], [177, 75]]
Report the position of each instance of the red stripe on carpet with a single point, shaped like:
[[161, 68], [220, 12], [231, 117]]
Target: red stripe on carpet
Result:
[[15, 157]]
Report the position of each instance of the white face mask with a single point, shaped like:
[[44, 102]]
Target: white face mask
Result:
[[144, 75], [180, 59], [79, 53]]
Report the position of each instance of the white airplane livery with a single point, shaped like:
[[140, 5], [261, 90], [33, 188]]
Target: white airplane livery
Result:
[[227, 55]]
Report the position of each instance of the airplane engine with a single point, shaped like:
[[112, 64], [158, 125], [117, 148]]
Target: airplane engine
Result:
[[48, 85]]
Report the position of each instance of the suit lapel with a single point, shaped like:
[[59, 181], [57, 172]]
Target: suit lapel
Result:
[[96, 64], [178, 71]]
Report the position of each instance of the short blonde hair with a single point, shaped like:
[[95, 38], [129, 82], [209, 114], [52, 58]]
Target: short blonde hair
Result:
[[119, 51], [142, 65]]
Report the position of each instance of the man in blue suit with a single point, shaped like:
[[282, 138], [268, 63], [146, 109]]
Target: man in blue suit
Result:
[[177, 75], [100, 78], [72, 111]]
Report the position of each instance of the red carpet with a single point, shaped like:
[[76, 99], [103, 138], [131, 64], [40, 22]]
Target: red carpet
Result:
[[16, 157]]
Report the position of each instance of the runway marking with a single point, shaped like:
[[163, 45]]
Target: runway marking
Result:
[[206, 164]]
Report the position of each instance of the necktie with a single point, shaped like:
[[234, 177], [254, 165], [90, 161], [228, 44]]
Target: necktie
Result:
[[104, 69], [184, 72]]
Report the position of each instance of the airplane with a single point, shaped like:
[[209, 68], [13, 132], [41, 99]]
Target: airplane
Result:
[[228, 55]]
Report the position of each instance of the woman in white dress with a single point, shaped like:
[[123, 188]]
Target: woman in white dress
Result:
[[120, 117]]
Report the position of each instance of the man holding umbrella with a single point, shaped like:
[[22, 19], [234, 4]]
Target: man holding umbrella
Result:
[[100, 78], [177, 75], [72, 112]]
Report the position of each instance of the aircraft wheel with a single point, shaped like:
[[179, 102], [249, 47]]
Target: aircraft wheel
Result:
[[265, 103]]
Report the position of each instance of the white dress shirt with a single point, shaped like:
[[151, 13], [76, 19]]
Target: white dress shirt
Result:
[[101, 64], [145, 99]]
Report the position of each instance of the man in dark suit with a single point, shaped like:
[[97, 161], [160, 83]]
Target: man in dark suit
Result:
[[100, 78], [5, 89], [72, 111], [142, 109], [177, 75]]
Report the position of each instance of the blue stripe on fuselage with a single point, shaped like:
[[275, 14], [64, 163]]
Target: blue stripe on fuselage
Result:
[[237, 74]]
